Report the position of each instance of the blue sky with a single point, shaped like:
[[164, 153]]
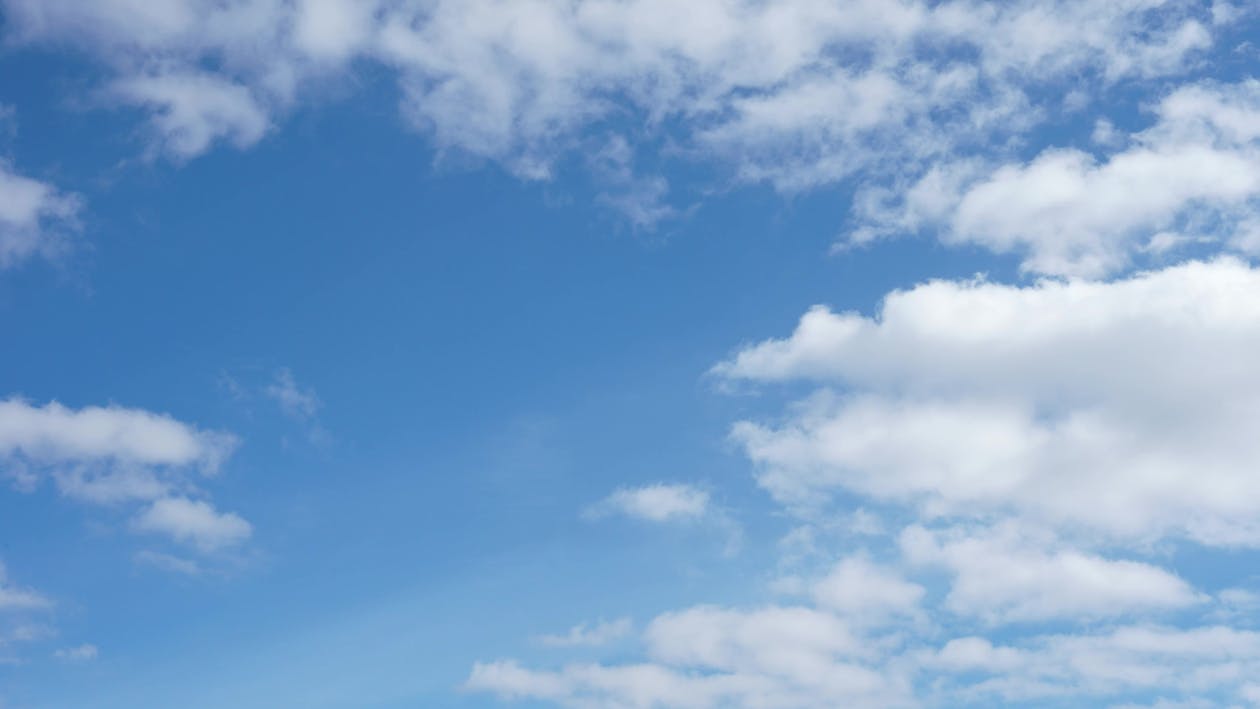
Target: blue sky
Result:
[[629, 354]]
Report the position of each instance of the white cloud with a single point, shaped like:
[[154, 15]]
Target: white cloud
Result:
[[34, 217], [797, 93], [662, 502], [81, 653], [972, 398], [595, 635], [999, 576], [1211, 662], [864, 591], [1048, 439], [193, 521], [56, 434], [116, 455], [17, 598], [1192, 176], [714, 657], [192, 111]]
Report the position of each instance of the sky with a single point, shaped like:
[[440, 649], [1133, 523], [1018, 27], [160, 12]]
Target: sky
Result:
[[629, 354]]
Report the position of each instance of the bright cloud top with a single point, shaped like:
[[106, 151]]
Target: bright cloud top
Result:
[[976, 398], [1191, 177]]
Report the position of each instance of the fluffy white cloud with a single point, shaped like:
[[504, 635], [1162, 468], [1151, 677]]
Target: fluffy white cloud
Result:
[[34, 216], [595, 635], [999, 576], [1192, 176], [865, 592], [54, 434], [661, 502], [191, 111], [1048, 437], [1119, 407], [775, 657], [117, 455], [193, 521], [797, 92]]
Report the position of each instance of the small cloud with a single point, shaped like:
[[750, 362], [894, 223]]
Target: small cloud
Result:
[[167, 562], [83, 653], [16, 598], [193, 521], [295, 401], [661, 502], [582, 635]]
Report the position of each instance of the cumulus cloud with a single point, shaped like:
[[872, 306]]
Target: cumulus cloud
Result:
[[862, 590], [1191, 176], [662, 502], [710, 657], [973, 398], [1047, 440], [1000, 577], [116, 455], [193, 521], [34, 217]]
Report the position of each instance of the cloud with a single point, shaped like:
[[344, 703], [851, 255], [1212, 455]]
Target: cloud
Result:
[[193, 521], [115, 455], [711, 657], [795, 93], [14, 598], [1192, 176], [81, 653], [1047, 443], [295, 401], [864, 591], [596, 635], [661, 502], [167, 562], [972, 398], [1212, 662], [34, 217], [192, 111], [106, 454], [1000, 577]]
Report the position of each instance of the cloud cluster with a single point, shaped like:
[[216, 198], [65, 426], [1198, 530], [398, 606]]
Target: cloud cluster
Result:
[[795, 93], [1045, 442], [122, 457]]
